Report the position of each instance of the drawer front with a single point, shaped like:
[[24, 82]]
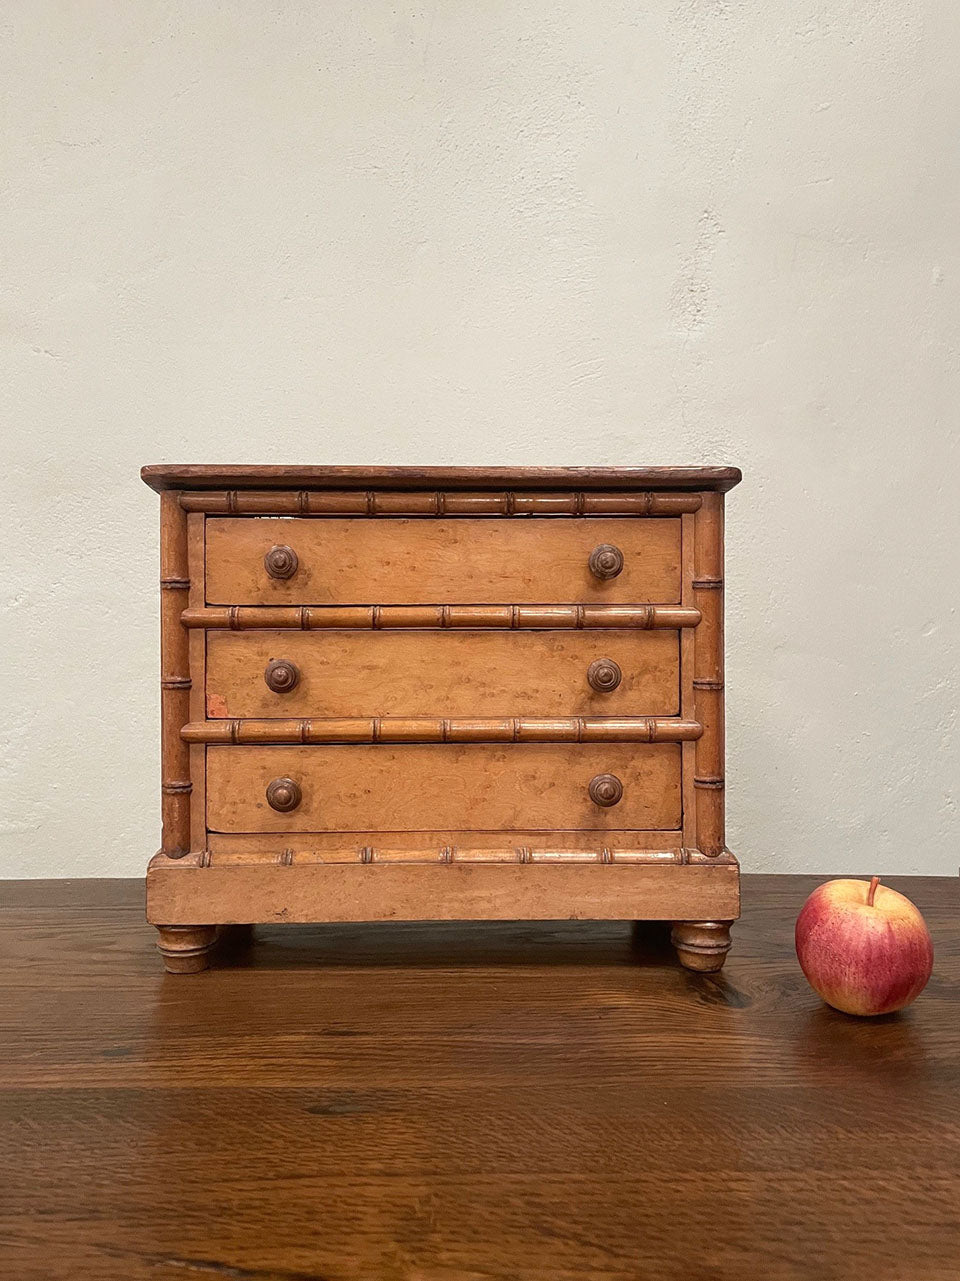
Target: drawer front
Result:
[[381, 788], [426, 562], [457, 674]]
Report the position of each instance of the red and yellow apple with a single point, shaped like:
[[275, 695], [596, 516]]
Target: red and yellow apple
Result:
[[863, 947]]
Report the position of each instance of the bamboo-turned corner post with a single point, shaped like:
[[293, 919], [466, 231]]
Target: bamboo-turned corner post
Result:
[[703, 945], [185, 948], [708, 778], [175, 682]]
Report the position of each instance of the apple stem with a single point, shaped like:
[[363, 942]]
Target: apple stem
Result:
[[874, 882]]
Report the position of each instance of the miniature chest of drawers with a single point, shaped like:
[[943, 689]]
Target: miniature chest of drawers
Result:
[[441, 694]]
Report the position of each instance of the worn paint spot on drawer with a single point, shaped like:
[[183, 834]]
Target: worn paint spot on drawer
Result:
[[216, 705]]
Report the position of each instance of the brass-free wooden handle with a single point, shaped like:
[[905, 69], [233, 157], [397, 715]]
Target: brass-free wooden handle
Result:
[[284, 795], [281, 675], [281, 561], [606, 561], [606, 790], [604, 675]]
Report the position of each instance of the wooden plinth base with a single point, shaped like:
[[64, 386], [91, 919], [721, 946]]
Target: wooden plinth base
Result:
[[701, 897]]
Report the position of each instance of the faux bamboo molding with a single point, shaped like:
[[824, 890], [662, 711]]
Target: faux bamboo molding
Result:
[[175, 680], [510, 617], [708, 675], [321, 849], [365, 854], [325, 847], [239, 502], [396, 729]]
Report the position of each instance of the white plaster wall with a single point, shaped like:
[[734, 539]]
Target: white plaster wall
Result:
[[581, 233]]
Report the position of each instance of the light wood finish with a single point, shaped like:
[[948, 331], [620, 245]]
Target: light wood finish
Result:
[[435, 672], [204, 476], [464, 889], [438, 503], [415, 786], [464, 674], [471, 617], [397, 729], [511, 1101], [421, 561]]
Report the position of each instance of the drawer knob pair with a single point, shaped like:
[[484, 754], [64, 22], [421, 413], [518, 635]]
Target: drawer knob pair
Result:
[[606, 561], [282, 676], [281, 561], [284, 795]]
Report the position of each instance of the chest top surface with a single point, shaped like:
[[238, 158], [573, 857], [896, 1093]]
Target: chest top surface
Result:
[[163, 476]]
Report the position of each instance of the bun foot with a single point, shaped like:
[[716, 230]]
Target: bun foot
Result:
[[186, 948], [701, 945]]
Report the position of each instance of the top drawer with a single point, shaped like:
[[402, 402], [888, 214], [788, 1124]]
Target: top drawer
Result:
[[515, 560]]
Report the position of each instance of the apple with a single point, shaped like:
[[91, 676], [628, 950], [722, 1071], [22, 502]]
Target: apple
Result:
[[865, 948]]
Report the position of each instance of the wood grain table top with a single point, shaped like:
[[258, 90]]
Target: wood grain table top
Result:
[[486, 1102]]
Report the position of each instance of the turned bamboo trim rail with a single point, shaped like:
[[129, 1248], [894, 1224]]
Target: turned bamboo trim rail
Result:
[[392, 857], [424, 729], [304, 502], [509, 617]]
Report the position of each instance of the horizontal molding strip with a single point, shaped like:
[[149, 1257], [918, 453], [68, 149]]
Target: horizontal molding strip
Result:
[[424, 729], [445, 854], [305, 502], [511, 617]]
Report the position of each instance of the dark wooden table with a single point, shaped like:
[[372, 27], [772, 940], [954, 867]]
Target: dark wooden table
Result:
[[477, 1102]]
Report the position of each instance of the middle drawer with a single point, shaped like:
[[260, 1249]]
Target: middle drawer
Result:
[[443, 673]]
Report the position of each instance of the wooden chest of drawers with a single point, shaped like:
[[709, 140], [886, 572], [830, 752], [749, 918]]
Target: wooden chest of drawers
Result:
[[441, 693]]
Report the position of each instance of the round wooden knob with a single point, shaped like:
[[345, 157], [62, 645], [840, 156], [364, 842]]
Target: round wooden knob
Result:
[[605, 790], [606, 561], [284, 794], [604, 675], [281, 675], [281, 561]]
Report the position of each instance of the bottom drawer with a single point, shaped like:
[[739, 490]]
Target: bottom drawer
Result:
[[432, 785]]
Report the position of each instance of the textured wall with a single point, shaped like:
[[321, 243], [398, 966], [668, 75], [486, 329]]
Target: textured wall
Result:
[[696, 231]]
